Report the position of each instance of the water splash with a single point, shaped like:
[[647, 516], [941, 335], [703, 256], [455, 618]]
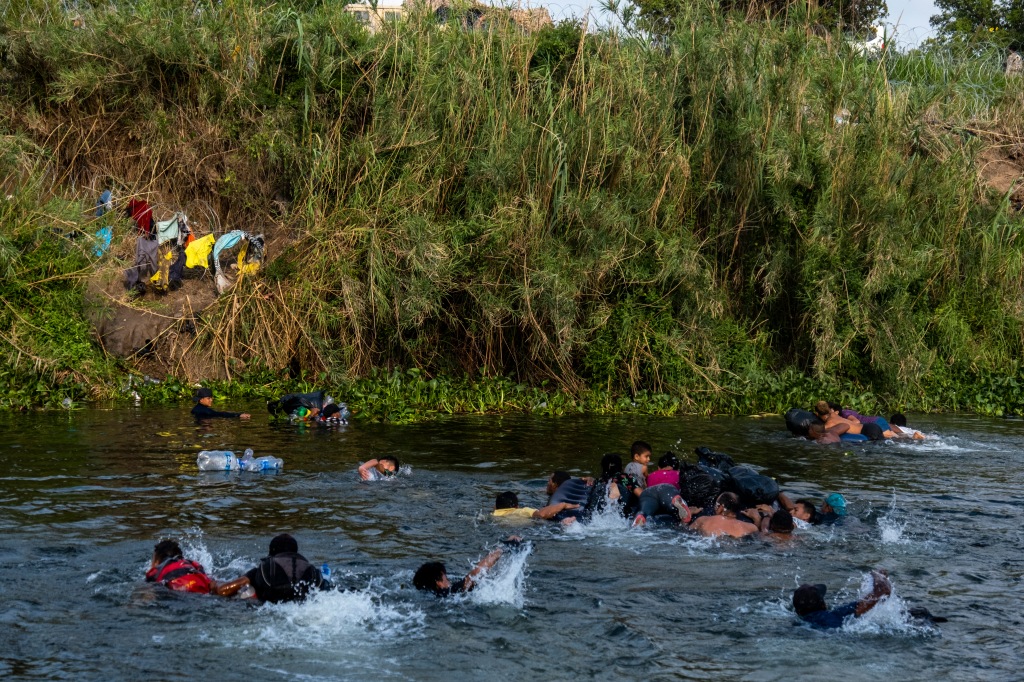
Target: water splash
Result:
[[890, 616], [330, 619], [504, 584], [892, 527]]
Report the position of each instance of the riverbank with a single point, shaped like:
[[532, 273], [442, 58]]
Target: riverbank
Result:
[[739, 238]]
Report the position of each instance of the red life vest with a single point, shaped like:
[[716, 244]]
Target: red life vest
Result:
[[181, 575]]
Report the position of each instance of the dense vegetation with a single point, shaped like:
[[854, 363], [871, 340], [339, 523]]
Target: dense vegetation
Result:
[[737, 217]]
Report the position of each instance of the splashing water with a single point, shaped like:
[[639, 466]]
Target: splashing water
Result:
[[331, 619], [504, 583], [890, 616], [891, 528]]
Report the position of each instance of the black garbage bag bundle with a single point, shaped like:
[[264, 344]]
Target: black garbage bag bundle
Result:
[[699, 485], [753, 488], [799, 420]]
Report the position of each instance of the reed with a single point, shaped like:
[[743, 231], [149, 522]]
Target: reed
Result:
[[687, 216]]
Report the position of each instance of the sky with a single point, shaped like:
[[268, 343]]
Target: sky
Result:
[[912, 16]]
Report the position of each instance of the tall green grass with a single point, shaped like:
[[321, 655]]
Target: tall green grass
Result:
[[689, 216]]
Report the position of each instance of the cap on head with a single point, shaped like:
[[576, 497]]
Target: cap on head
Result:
[[837, 502], [283, 543], [204, 392], [809, 598]]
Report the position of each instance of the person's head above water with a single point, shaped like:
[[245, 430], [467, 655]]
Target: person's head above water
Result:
[[898, 419], [387, 465], [204, 396], [611, 465], [728, 503], [781, 522], [640, 451], [283, 543], [166, 549], [432, 577], [834, 503], [507, 500], [331, 410], [803, 510], [557, 479], [668, 461], [822, 409], [808, 599]]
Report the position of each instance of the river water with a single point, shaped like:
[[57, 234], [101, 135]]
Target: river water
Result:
[[87, 494]]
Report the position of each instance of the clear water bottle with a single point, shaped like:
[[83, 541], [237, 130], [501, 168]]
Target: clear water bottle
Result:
[[217, 460], [263, 464]]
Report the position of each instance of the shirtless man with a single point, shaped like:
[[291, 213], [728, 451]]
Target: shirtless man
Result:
[[724, 521], [830, 416]]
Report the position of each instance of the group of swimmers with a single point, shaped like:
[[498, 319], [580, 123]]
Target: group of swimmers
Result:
[[657, 496], [638, 494], [845, 425]]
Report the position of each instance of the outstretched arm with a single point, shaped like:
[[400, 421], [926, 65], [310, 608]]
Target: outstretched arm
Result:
[[553, 510], [881, 588], [485, 564], [230, 588], [364, 469]]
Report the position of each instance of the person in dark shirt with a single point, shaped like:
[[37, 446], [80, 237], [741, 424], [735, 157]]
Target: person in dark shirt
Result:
[[433, 575], [809, 603], [283, 576], [204, 407]]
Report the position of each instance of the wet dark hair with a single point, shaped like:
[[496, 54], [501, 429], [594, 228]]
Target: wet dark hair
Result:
[[508, 500], [392, 459], [639, 447], [835, 406], [781, 522], [898, 419], [808, 507], [815, 431], [428, 575], [560, 477], [611, 465], [283, 543], [167, 549], [668, 460], [730, 501], [808, 599], [330, 411]]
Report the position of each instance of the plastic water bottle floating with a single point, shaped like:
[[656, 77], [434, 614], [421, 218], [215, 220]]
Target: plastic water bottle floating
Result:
[[217, 460]]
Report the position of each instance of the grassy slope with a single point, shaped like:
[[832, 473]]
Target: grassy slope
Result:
[[683, 219]]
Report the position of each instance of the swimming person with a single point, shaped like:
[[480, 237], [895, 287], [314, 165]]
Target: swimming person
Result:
[[667, 472], [377, 469], [507, 506], [661, 496], [614, 486], [204, 407], [284, 575], [809, 603], [802, 509], [640, 452], [433, 575], [170, 568], [833, 510], [725, 520]]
